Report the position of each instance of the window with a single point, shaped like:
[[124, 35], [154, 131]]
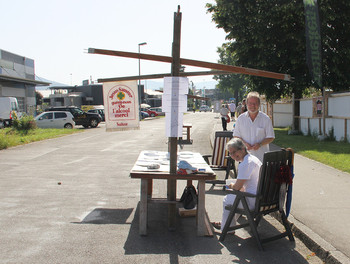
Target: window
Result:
[[47, 116], [77, 111], [14, 106], [60, 115]]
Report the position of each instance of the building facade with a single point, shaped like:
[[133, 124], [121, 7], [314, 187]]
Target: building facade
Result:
[[17, 79], [85, 94]]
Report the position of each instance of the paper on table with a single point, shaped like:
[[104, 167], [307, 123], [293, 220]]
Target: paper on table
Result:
[[162, 158]]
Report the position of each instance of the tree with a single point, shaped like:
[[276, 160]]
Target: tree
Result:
[[266, 35], [335, 34], [270, 35], [39, 98], [232, 83]]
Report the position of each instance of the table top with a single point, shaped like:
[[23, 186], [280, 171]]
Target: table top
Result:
[[143, 166]]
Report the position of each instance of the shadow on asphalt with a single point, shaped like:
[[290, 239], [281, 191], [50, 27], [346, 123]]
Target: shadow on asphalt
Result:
[[101, 216], [181, 242], [184, 242]]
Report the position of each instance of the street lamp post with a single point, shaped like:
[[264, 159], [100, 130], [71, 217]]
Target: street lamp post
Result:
[[139, 86]]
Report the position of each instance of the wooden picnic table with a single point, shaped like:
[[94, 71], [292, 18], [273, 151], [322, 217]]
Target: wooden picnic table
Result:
[[142, 171]]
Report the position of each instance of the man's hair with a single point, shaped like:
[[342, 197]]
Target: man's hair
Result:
[[236, 143], [253, 94]]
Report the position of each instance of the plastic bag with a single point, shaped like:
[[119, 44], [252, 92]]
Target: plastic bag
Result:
[[189, 197]]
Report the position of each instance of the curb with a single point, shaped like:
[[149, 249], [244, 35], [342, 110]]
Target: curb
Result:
[[324, 250]]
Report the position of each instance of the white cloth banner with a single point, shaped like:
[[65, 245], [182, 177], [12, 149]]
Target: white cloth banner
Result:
[[174, 104], [121, 105]]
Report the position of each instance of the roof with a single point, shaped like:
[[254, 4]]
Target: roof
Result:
[[22, 80]]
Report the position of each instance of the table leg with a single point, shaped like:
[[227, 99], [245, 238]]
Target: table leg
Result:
[[143, 207], [150, 188], [188, 134], [201, 226], [204, 228], [172, 206]]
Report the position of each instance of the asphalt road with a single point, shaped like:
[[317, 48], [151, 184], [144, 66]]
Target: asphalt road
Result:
[[71, 200]]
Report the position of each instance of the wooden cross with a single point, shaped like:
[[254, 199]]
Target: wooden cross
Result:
[[176, 63]]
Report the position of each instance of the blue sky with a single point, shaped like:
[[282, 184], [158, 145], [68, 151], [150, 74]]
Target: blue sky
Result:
[[57, 34]]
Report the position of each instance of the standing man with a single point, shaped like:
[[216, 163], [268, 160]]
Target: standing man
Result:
[[224, 116], [232, 108], [255, 128], [244, 106]]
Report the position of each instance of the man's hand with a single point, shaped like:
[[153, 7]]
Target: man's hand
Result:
[[256, 146], [249, 147]]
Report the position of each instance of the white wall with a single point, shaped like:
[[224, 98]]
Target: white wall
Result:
[[339, 106], [282, 114]]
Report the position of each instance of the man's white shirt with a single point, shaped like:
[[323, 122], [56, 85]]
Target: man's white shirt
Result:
[[254, 132]]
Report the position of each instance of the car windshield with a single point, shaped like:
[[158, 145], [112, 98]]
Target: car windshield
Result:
[[77, 111]]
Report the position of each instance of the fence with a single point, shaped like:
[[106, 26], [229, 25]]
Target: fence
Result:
[[310, 120], [336, 118]]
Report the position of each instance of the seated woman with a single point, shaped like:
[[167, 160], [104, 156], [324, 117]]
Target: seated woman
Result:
[[247, 178]]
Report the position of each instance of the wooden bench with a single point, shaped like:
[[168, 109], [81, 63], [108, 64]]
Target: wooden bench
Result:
[[188, 140]]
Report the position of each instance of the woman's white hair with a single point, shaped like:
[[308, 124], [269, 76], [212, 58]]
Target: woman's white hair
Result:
[[236, 143]]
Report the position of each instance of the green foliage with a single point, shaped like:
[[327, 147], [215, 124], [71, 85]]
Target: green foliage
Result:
[[331, 136], [232, 83], [39, 98], [24, 124], [270, 35], [4, 143], [332, 153], [10, 137]]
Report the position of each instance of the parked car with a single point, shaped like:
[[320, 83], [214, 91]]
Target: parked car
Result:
[[150, 112], [55, 119], [2, 124], [158, 110], [204, 108], [80, 117], [101, 112], [144, 114]]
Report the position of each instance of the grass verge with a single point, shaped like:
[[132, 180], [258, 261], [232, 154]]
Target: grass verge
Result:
[[333, 153], [11, 138]]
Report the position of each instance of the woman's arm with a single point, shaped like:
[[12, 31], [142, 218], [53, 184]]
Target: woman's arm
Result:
[[238, 185]]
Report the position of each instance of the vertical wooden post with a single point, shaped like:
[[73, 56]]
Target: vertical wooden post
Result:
[[172, 142], [293, 112], [345, 130], [324, 111]]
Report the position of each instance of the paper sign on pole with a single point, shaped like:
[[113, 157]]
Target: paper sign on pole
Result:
[[121, 105], [174, 104]]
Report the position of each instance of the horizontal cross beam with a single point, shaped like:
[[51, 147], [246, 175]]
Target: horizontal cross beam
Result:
[[202, 64], [160, 76]]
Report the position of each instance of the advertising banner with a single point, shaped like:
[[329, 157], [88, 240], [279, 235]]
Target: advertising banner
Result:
[[121, 105], [318, 107], [313, 40]]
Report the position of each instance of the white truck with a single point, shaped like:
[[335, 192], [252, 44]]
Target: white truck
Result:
[[8, 106]]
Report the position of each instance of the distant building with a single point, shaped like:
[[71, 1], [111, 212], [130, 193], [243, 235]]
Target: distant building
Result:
[[85, 94], [17, 79], [91, 94]]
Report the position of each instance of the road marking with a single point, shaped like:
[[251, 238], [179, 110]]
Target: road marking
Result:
[[75, 161]]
